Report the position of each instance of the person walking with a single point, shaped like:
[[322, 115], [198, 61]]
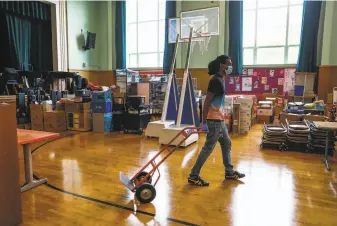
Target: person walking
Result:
[[213, 122]]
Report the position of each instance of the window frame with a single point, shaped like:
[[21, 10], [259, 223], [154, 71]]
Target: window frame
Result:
[[285, 46], [137, 22]]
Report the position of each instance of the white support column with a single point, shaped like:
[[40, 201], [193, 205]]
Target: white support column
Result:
[[185, 80], [59, 25]]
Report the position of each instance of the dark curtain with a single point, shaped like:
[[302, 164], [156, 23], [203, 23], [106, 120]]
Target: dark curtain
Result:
[[4, 43], [120, 34], [41, 55], [235, 35], [25, 28], [169, 47], [19, 33], [307, 57], [29, 9]]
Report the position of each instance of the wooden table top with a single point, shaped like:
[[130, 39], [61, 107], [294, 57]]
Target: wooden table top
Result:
[[32, 136], [326, 125]]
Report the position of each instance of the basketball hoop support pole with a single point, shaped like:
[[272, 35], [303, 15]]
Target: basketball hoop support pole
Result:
[[185, 78], [169, 82]]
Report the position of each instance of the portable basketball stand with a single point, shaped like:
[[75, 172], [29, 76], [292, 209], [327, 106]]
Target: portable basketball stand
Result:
[[193, 26], [187, 110], [170, 107]]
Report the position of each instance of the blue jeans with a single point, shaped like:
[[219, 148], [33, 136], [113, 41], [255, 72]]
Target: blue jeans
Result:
[[217, 132]]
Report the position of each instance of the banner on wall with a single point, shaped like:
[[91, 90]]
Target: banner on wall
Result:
[[260, 80]]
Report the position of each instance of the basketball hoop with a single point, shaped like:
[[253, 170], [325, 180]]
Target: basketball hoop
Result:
[[205, 23], [203, 42]]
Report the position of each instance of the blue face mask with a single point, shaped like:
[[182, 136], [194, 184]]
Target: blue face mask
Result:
[[229, 70]]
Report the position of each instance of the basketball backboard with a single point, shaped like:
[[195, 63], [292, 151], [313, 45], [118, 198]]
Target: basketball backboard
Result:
[[205, 23]]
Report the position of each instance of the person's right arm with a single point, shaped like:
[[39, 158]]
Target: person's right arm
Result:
[[209, 98]]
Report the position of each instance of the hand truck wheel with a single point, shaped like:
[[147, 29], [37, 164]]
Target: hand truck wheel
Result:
[[142, 175], [146, 193]]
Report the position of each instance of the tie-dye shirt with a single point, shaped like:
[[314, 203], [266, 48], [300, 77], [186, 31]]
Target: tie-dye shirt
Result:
[[217, 106]]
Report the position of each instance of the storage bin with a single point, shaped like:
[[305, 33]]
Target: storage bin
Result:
[[102, 107]]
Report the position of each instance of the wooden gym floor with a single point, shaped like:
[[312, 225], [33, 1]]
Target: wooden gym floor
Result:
[[280, 189]]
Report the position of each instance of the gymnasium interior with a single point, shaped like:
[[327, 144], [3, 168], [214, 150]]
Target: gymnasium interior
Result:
[[102, 107]]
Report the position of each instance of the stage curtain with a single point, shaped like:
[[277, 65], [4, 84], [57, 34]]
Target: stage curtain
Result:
[[26, 30], [19, 32], [41, 46], [307, 57], [5, 60], [120, 34], [30, 9], [235, 49], [169, 47]]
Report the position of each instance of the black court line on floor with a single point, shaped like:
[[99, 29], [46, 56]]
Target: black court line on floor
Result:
[[101, 201]]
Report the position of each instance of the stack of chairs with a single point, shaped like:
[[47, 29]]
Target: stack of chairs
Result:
[[274, 136], [297, 136], [317, 140]]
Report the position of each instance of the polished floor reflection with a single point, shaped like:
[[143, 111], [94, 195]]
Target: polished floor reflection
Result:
[[280, 188]]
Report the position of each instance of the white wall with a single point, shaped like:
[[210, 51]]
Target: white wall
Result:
[[92, 16]]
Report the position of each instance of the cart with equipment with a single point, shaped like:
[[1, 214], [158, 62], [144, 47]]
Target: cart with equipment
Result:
[[142, 184]]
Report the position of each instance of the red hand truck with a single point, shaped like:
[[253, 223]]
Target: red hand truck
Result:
[[141, 183]]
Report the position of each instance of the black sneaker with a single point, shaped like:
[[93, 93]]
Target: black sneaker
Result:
[[234, 175], [196, 180]]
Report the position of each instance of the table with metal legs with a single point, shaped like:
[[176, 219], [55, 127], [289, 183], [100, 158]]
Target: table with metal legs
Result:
[[26, 138], [330, 128], [325, 157]]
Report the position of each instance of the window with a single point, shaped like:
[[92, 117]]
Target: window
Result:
[[271, 31], [145, 29]]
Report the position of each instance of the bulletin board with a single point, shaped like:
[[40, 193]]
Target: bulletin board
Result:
[[256, 81]]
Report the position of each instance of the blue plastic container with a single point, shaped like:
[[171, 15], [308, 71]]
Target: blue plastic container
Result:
[[298, 91], [107, 122], [102, 107], [99, 96]]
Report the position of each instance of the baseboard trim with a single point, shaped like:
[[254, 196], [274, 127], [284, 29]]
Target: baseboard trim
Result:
[[328, 66]]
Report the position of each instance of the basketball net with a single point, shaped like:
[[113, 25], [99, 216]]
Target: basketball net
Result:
[[203, 42]]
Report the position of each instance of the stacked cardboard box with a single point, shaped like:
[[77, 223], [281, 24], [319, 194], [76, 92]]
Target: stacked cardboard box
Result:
[[254, 110], [37, 115], [279, 104], [60, 106], [229, 101], [295, 117], [79, 116], [55, 121], [289, 117], [228, 122], [265, 112], [236, 119], [246, 105]]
